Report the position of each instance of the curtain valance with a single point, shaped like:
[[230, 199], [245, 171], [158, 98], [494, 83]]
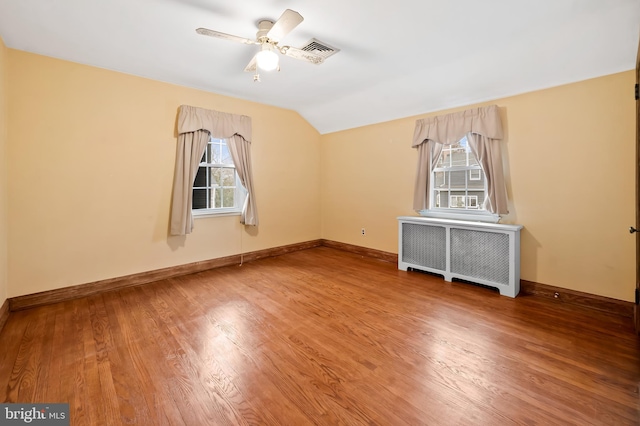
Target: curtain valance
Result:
[[220, 125], [450, 128]]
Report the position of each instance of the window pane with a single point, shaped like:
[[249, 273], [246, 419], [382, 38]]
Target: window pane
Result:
[[211, 148], [216, 176], [443, 161], [440, 180], [480, 195], [458, 157], [472, 202], [226, 155], [228, 195], [228, 176], [201, 177], [476, 179], [457, 200], [457, 179], [441, 199], [216, 198], [199, 199], [472, 159], [215, 152]]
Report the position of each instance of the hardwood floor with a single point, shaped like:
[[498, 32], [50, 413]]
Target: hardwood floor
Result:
[[322, 336]]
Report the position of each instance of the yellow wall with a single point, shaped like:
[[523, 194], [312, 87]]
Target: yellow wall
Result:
[[91, 168], [570, 164], [3, 175], [91, 153]]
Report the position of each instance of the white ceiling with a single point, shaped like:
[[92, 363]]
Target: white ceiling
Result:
[[397, 59]]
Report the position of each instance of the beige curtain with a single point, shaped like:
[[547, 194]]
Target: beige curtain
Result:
[[428, 154], [195, 127], [447, 129], [191, 146], [488, 153], [240, 150]]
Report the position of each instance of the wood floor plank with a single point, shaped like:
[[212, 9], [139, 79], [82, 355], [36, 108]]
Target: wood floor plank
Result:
[[13, 332], [22, 383], [53, 390], [322, 336], [44, 353], [79, 359]]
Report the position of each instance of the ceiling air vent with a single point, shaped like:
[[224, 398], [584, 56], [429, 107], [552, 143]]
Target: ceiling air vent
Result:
[[319, 48]]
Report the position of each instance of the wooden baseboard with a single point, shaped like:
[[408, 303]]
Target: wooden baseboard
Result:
[[68, 293], [363, 251], [573, 297], [4, 314], [279, 251]]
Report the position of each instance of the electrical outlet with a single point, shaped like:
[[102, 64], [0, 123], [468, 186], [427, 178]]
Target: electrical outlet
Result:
[[363, 232]]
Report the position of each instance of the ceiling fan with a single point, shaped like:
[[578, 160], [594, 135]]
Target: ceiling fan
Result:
[[268, 38]]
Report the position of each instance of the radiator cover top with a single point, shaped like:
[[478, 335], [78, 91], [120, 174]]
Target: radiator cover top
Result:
[[484, 253]]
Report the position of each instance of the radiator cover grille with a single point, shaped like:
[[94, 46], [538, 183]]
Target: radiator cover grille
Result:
[[424, 245], [480, 254]]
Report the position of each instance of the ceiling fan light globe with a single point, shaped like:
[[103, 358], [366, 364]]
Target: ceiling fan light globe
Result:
[[267, 60]]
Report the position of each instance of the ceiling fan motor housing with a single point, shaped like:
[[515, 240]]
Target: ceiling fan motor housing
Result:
[[263, 28]]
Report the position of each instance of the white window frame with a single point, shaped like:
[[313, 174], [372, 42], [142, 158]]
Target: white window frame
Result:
[[477, 213], [240, 191]]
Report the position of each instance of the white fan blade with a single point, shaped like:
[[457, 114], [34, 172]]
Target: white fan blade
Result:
[[218, 34], [252, 65], [284, 25], [294, 52]]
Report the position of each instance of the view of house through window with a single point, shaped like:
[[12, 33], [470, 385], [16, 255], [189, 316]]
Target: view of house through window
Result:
[[217, 188], [458, 179]]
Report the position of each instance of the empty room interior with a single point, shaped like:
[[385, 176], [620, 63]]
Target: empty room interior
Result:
[[273, 212]]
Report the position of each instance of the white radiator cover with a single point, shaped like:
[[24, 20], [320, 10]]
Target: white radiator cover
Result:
[[484, 253]]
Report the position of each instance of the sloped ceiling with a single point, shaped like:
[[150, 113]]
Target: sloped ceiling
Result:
[[397, 59]]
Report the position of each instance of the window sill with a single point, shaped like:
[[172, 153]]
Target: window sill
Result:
[[214, 213], [475, 216]]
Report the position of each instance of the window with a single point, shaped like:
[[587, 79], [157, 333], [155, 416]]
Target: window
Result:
[[445, 174], [217, 188], [458, 180]]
